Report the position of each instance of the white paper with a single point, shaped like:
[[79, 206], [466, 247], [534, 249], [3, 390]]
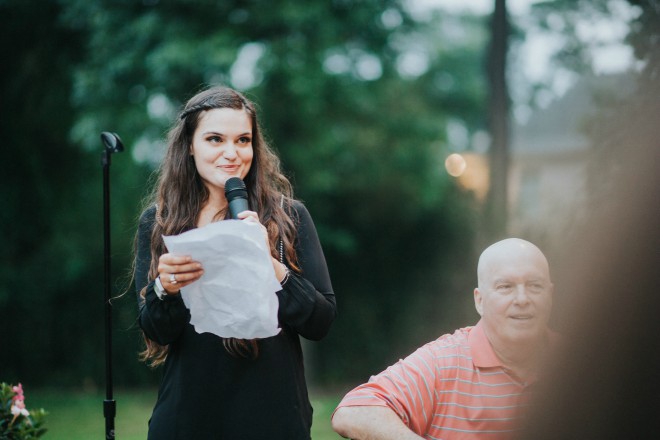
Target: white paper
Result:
[[235, 297]]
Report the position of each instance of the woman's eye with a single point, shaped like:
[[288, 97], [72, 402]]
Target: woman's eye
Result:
[[214, 139], [244, 140]]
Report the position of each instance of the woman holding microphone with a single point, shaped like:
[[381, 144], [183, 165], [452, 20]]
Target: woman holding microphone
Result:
[[227, 388]]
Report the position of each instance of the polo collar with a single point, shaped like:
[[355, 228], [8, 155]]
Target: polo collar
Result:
[[483, 354]]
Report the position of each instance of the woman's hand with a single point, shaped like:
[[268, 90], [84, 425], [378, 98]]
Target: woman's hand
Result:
[[253, 217], [177, 271]]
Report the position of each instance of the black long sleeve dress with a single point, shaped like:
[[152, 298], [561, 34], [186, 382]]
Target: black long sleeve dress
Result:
[[205, 392]]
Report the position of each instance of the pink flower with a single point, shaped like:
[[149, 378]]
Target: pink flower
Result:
[[19, 409], [18, 403], [18, 389]]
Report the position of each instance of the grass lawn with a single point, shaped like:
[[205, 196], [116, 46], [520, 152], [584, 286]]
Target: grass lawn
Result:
[[76, 415]]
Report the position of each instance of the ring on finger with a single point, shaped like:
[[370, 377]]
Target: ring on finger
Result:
[[173, 279]]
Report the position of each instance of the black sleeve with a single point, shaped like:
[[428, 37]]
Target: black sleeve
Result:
[[161, 320], [307, 302]]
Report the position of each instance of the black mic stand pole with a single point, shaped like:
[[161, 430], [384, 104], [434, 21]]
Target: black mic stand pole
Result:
[[112, 144]]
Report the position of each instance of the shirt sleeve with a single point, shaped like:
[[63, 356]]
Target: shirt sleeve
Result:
[[307, 302], [161, 320], [406, 387]]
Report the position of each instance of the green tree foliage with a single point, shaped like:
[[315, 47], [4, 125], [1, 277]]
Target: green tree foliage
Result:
[[624, 132], [17, 422], [628, 105], [48, 255], [355, 96]]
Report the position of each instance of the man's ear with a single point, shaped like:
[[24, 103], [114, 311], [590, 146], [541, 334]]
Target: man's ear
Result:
[[478, 301]]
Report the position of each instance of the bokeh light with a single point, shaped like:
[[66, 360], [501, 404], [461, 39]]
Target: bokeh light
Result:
[[455, 164]]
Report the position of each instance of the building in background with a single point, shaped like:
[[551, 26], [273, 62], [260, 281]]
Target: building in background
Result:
[[550, 154]]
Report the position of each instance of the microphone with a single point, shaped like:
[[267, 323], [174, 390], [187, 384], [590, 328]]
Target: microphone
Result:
[[237, 196]]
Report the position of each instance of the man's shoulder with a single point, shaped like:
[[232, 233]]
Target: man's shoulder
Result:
[[459, 336], [450, 342]]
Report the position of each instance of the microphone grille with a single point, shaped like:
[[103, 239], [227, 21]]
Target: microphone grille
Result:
[[234, 188]]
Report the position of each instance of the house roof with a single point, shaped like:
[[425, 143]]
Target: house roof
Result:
[[560, 127]]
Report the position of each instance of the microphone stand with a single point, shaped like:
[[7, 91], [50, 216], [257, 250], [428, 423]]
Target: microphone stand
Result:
[[112, 144]]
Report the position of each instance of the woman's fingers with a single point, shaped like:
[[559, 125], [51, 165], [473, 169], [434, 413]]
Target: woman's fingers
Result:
[[174, 260], [173, 282], [253, 217], [169, 263], [179, 268], [177, 271], [249, 216], [181, 278]]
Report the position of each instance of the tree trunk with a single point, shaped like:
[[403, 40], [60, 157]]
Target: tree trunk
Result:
[[498, 119]]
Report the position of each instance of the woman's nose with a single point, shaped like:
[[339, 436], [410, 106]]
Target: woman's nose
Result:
[[229, 152]]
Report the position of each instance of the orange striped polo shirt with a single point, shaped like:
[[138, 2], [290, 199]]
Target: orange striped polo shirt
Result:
[[452, 388]]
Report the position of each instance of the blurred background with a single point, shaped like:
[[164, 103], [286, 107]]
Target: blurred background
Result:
[[415, 131]]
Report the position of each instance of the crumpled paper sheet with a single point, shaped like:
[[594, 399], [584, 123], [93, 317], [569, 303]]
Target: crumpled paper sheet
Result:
[[235, 298]]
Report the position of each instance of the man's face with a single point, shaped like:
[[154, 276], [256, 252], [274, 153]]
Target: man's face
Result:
[[514, 297]]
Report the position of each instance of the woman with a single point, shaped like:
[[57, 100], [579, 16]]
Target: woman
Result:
[[212, 387]]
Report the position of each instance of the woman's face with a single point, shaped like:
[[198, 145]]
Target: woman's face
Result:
[[222, 146]]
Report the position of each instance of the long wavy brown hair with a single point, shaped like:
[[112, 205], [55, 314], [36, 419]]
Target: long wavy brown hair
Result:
[[179, 194]]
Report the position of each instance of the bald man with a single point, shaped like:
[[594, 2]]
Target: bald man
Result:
[[472, 383]]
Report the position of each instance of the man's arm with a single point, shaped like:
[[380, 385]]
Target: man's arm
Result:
[[370, 423]]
